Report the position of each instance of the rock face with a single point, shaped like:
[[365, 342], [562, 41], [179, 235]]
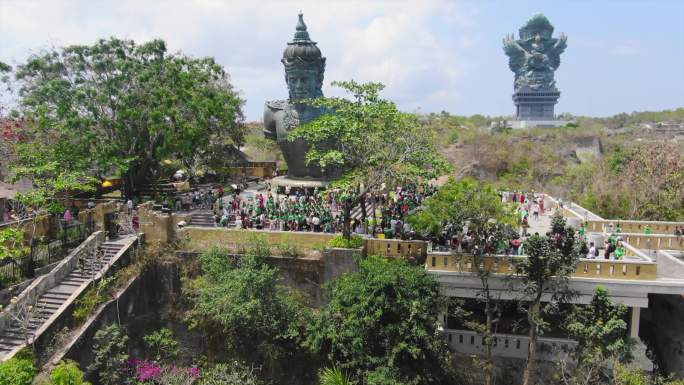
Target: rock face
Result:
[[663, 328]]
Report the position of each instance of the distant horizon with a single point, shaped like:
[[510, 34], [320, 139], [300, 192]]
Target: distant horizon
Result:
[[433, 55]]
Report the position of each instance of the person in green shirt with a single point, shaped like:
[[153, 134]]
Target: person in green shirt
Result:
[[619, 252], [612, 239], [648, 230]]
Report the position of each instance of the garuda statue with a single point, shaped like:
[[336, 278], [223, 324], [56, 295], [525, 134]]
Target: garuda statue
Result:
[[535, 55], [304, 68]]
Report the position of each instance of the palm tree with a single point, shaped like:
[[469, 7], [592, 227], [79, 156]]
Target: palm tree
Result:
[[334, 376]]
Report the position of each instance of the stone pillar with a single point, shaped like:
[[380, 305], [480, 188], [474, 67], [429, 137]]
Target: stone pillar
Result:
[[634, 323], [442, 317], [2, 209]]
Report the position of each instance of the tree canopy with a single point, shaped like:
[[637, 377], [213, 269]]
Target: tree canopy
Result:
[[380, 325], [117, 106], [250, 315], [369, 138]]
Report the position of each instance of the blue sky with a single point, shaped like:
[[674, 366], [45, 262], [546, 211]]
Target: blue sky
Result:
[[433, 55]]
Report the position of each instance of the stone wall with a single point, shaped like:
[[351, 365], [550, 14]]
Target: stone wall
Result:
[[141, 307], [663, 329], [203, 238]]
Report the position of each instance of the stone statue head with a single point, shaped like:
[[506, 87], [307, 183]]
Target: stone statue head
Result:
[[304, 65], [537, 28]]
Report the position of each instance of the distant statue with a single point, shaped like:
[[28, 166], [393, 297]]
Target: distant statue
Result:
[[535, 55], [304, 68]]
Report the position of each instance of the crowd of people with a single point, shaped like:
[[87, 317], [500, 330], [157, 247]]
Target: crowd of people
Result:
[[311, 209]]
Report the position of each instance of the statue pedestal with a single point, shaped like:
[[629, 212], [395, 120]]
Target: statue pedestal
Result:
[[298, 183], [525, 124], [535, 104]]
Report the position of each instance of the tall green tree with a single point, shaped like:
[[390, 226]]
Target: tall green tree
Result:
[[374, 143], [545, 274], [121, 106], [468, 203], [240, 302], [381, 323], [603, 340]]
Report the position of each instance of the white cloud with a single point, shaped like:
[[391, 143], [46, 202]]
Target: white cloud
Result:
[[415, 47], [627, 49]]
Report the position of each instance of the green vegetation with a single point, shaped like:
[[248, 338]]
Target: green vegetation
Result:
[[233, 373], [249, 314], [603, 340], [589, 164], [354, 242], [467, 202], [91, 299], [117, 105], [375, 144], [111, 356], [162, 344], [67, 373], [17, 371], [334, 376], [545, 272], [12, 243], [380, 325]]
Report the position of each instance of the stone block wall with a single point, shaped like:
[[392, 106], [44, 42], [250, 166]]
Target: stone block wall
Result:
[[203, 238]]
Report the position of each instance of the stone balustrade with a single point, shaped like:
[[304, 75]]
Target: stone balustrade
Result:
[[628, 269], [396, 248], [508, 345], [634, 227]]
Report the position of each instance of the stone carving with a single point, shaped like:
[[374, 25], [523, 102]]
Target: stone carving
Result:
[[535, 55], [304, 69]]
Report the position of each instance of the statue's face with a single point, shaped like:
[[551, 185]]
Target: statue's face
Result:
[[302, 83]]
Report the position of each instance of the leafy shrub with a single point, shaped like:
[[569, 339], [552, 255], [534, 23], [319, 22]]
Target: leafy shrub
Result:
[[111, 355], [12, 243], [341, 242], [334, 376], [17, 372], [67, 373], [163, 344], [92, 298], [233, 373]]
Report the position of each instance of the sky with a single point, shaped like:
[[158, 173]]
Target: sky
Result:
[[432, 55]]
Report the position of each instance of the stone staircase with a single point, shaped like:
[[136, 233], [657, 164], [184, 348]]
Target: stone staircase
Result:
[[203, 218], [356, 211], [19, 330]]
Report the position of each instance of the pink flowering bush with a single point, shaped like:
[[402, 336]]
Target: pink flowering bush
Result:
[[151, 373]]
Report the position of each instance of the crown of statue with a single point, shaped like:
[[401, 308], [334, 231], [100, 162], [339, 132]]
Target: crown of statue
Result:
[[302, 52], [538, 23]]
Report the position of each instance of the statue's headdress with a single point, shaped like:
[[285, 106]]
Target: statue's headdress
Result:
[[538, 23], [302, 52]]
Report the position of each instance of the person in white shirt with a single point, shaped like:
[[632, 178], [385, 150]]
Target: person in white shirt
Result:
[[592, 251]]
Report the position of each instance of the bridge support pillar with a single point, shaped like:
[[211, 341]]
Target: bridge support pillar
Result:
[[634, 323]]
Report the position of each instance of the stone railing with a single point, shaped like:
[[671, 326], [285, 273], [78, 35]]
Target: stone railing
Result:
[[654, 241], [396, 248], [633, 227], [46, 282], [509, 345], [586, 268]]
